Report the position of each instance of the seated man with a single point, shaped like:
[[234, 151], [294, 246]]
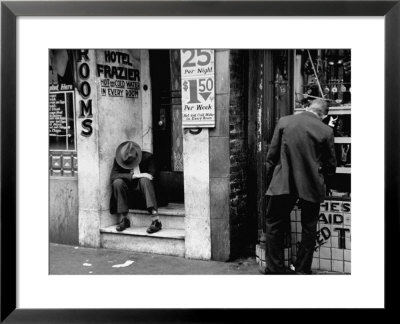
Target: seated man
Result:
[[133, 171]]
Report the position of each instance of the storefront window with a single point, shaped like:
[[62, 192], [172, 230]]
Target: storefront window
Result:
[[323, 74], [62, 129], [62, 121], [326, 74]]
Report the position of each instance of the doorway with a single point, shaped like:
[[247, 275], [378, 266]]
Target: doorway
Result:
[[270, 97], [167, 128]]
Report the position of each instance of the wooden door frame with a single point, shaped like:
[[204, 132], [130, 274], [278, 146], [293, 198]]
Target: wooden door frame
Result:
[[260, 100], [157, 102], [262, 118]]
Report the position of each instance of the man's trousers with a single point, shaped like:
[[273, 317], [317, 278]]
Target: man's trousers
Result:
[[122, 189], [278, 223]]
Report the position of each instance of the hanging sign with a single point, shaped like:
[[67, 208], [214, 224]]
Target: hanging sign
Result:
[[118, 78], [198, 88]]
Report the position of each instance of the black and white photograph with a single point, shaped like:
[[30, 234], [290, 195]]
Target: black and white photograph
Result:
[[200, 161], [197, 161]]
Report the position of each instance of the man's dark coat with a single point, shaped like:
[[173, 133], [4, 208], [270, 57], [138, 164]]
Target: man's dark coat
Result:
[[302, 151]]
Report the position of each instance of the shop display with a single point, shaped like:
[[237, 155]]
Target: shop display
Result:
[[62, 121], [343, 156], [341, 124], [326, 74], [323, 74]]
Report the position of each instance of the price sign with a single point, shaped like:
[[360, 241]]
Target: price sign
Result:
[[61, 120], [198, 88]]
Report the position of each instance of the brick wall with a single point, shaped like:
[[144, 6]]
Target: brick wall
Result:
[[238, 153]]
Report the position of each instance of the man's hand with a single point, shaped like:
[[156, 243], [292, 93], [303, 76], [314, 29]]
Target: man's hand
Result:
[[146, 175], [142, 175]]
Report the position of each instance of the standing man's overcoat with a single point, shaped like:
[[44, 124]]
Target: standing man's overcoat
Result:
[[301, 153]]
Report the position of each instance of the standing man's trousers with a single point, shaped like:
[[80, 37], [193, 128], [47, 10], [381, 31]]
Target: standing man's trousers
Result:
[[278, 222], [122, 188]]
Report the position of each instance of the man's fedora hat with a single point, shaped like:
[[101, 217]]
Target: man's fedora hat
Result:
[[128, 155]]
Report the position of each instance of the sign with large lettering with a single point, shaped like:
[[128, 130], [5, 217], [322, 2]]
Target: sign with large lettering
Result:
[[332, 249], [120, 80], [85, 90], [198, 88], [334, 223]]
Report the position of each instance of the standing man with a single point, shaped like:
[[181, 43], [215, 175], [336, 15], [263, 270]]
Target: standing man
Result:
[[133, 171], [301, 154]]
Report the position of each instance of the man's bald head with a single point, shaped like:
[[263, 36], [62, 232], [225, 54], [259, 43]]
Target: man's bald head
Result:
[[319, 107]]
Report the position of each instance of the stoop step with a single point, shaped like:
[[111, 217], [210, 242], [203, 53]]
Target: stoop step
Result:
[[170, 240], [171, 216]]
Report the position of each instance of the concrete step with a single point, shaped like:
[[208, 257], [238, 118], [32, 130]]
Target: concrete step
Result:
[[171, 216], [171, 209], [168, 241]]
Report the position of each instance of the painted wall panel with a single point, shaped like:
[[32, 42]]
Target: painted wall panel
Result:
[[197, 195], [63, 211]]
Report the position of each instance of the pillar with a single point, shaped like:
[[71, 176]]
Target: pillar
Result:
[[115, 116]]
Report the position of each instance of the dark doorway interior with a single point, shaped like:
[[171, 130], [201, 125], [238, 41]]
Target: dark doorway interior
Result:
[[170, 180]]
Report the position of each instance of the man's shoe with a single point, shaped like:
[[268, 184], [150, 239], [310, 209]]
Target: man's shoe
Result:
[[283, 272], [299, 272], [267, 271], [304, 272], [154, 227], [123, 225], [289, 272]]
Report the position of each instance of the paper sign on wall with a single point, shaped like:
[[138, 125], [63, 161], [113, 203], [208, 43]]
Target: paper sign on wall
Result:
[[198, 88]]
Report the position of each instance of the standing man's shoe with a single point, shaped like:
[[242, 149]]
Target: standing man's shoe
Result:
[[154, 227], [123, 225], [300, 272], [282, 272]]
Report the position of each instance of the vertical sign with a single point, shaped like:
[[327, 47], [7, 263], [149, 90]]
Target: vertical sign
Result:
[[198, 93]]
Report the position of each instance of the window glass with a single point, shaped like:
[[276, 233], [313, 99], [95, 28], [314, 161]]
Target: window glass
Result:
[[62, 129], [323, 74]]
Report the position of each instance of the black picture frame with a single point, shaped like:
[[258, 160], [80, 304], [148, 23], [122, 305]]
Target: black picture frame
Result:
[[10, 10]]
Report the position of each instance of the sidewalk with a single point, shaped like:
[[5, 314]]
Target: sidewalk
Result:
[[70, 260], [74, 260]]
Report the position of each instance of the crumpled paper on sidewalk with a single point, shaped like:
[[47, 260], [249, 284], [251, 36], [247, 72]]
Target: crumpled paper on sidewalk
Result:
[[126, 264]]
